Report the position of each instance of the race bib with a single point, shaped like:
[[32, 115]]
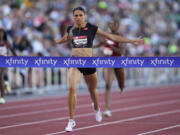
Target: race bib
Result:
[[80, 41], [109, 42]]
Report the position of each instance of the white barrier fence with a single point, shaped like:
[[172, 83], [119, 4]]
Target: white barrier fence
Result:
[[40, 80]]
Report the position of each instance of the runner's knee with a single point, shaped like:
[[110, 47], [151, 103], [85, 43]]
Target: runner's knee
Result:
[[72, 90]]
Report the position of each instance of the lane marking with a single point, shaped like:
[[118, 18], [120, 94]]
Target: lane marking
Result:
[[90, 114], [83, 106], [158, 130], [120, 121]]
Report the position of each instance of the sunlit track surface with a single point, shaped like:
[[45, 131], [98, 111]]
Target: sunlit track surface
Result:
[[147, 111]]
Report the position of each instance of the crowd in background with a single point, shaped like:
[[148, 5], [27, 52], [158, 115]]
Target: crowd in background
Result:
[[32, 25]]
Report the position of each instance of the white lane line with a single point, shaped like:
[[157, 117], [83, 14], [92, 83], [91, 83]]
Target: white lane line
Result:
[[158, 130], [62, 99], [121, 121], [28, 105], [58, 101], [83, 106], [89, 114]]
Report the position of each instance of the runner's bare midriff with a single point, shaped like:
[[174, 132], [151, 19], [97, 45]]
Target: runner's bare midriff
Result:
[[82, 52]]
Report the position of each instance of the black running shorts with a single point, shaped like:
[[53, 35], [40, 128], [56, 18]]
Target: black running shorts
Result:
[[87, 71]]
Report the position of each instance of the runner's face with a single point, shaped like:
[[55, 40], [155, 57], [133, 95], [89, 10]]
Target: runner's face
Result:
[[113, 26], [79, 17]]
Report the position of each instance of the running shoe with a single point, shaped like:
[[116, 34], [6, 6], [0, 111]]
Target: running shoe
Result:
[[107, 113], [7, 87], [2, 101], [98, 115], [70, 125]]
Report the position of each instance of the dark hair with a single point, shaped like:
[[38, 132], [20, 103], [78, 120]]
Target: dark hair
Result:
[[4, 38], [79, 8], [115, 21]]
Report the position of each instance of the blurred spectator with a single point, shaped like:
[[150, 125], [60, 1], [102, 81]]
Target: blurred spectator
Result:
[[35, 22], [31, 26]]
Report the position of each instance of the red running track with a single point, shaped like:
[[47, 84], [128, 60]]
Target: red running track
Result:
[[146, 111]]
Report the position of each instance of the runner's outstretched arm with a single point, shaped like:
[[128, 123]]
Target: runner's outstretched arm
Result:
[[118, 38]]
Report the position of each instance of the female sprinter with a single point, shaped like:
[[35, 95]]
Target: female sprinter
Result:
[[4, 46], [112, 48], [81, 35]]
